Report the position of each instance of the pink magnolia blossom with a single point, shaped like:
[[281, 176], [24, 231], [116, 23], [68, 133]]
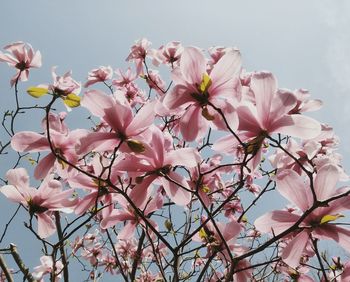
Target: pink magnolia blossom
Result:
[[169, 54], [47, 267], [100, 74], [128, 215], [138, 53], [269, 114], [131, 94], [154, 81], [40, 202], [125, 127], [304, 104], [124, 79], [157, 163], [195, 88], [22, 57], [319, 224], [63, 143], [64, 85]]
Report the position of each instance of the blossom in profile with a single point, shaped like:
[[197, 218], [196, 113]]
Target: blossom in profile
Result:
[[100, 74], [64, 87], [138, 53], [47, 267], [41, 202], [22, 57]]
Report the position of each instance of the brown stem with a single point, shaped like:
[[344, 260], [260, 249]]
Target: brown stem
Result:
[[20, 264], [61, 246], [5, 269]]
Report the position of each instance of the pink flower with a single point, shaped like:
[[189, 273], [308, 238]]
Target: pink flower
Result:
[[64, 85], [196, 88], [304, 104], [63, 143], [22, 57], [157, 162], [319, 224], [40, 202], [267, 115], [155, 82], [169, 54], [100, 74], [128, 215], [47, 266], [138, 53], [270, 112], [124, 79], [124, 126]]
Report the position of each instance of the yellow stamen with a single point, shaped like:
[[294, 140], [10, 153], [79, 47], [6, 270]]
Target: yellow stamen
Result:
[[205, 83]]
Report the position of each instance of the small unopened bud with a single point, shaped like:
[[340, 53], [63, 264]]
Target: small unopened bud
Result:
[[135, 146], [139, 179], [207, 115], [168, 225]]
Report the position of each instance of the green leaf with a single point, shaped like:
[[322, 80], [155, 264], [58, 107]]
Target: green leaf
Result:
[[71, 100], [328, 217], [37, 92]]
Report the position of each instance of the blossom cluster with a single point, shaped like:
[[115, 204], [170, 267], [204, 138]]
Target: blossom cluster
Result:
[[168, 180]]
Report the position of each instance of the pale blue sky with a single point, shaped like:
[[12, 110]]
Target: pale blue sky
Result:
[[306, 44]]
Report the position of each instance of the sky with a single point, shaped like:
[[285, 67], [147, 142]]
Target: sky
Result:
[[306, 44]]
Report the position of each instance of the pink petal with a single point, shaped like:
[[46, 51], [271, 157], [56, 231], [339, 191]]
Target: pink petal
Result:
[[127, 231], [85, 203], [292, 187], [18, 177], [192, 65], [325, 181], [142, 120], [248, 120], [140, 191], [28, 141], [187, 157], [292, 253], [276, 221], [224, 71], [311, 105], [193, 124], [231, 230], [335, 233], [98, 142], [297, 126], [36, 60], [114, 217], [12, 193], [282, 103], [44, 166], [118, 117], [179, 96], [177, 194], [46, 226], [264, 86], [96, 102]]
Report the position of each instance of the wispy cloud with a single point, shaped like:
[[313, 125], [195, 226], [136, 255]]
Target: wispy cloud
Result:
[[336, 15]]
